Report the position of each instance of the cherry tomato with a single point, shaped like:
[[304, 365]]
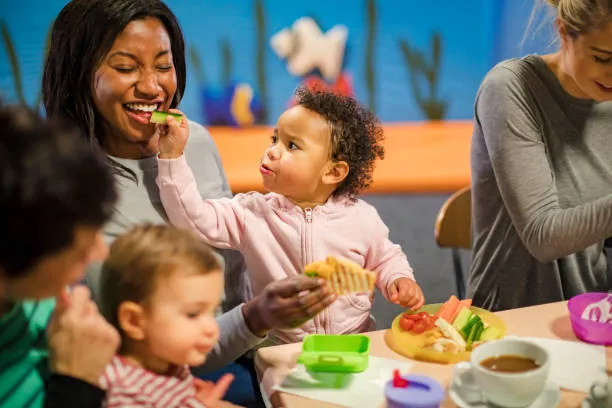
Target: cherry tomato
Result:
[[406, 324], [423, 315], [412, 316], [419, 327], [431, 323]]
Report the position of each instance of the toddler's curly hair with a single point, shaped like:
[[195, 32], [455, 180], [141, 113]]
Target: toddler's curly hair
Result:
[[356, 136]]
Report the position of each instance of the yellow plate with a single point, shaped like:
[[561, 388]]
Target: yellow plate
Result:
[[410, 344]]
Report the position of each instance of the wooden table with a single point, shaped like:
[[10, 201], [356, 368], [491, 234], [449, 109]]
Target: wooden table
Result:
[[420, 157], [548, 321]]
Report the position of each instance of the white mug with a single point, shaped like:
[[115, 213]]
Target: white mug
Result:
[[476, 383]]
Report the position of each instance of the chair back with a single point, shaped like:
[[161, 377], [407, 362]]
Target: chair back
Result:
[[453, 224]]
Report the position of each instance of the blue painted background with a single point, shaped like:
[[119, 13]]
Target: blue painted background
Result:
[[476, 34]]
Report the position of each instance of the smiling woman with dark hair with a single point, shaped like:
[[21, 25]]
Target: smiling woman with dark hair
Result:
[[83, 35], [110, 64]]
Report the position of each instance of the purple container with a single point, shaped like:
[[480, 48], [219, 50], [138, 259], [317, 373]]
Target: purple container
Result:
[[422, 392], [586, 330]]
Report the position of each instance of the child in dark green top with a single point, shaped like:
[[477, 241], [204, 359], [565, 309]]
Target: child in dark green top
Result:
[[55, 195], [23, 353]]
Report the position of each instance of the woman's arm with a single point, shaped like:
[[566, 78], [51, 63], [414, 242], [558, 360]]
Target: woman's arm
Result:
[[506, 112]]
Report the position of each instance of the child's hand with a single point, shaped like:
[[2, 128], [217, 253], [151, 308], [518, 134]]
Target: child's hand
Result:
[[173, 136], [406, 293], [211, 394], [276, 400]]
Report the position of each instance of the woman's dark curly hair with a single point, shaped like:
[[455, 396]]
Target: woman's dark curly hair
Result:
[[356, 136]]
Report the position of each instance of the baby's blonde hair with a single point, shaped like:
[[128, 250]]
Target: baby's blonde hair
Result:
[[139, 258]]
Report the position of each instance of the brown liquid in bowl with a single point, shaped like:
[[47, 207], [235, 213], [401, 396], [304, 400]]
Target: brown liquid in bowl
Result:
[[509, 364]]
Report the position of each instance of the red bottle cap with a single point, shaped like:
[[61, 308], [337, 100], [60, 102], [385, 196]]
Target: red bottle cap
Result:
[[398, 381]]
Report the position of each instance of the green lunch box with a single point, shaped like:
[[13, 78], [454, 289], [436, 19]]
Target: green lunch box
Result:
[[335, 353]]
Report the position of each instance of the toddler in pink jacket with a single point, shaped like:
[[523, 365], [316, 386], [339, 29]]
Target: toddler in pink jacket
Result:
[[322, 154]]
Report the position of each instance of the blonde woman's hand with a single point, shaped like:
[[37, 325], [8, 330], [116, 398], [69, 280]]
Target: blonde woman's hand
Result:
[[81, 342]]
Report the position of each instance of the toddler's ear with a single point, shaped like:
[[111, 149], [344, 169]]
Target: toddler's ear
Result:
[[335, 172], [131, 320]]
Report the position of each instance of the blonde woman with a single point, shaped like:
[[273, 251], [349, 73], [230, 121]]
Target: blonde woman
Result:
[[541, 162]]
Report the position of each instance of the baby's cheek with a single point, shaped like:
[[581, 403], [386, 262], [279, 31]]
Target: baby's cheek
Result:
[[180, 348], [169, 336]]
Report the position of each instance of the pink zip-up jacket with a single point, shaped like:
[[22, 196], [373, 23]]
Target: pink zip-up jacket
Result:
[[278, 238]]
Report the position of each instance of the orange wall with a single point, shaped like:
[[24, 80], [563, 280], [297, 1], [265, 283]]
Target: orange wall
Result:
[[419, 157]]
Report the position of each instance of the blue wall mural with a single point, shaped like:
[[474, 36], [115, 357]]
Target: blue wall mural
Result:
[[410, 60]]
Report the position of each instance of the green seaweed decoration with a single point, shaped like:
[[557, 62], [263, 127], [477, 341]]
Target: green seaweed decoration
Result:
[[227, 62], [14, 62], [260, 55], [432, 107], [370, 74], [196, 62], [15, 67], [38, 102]]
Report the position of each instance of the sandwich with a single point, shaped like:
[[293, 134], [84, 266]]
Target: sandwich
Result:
[[343, 277]]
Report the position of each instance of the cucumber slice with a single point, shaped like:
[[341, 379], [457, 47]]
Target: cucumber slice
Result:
[[475, 333], [462, 319], [467, 329], [490, 333], [160, 117]]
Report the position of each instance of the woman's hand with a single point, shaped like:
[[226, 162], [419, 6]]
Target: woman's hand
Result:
[[173, 136], [287, 303], [81, 342]]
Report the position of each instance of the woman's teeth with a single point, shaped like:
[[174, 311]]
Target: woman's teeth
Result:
[[141, 107]]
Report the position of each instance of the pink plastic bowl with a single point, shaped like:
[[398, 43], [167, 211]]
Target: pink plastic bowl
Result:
[[586, 330]]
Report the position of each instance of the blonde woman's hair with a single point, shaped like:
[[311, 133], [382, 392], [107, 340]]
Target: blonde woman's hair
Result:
[[580, 16], [577, 16], [141, 256]]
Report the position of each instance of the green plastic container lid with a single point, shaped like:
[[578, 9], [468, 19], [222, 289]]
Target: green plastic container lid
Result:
[[338, 353]]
